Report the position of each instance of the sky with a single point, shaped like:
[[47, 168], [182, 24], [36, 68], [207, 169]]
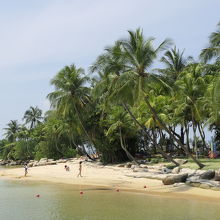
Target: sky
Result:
[[38, 38]]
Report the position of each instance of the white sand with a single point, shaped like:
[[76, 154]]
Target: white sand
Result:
[[105, 176]]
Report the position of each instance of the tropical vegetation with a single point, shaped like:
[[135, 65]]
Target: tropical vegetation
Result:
[[124, 108]]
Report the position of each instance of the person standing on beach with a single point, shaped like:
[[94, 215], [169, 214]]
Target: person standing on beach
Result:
[[25, 170], [80, 169]]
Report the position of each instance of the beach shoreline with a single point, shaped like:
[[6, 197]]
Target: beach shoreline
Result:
[[106, 177]]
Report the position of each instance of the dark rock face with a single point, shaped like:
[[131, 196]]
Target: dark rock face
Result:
[[208, 175], [180, 178]]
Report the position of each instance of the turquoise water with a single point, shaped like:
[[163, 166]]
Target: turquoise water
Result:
[[64, 202]]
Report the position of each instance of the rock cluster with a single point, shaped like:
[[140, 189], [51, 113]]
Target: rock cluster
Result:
[[10, 162], [34, 163], [206, 179]]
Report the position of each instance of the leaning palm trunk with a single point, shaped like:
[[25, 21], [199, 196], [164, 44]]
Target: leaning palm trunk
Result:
[[195, 140], [86, 133], [187, 135], [125, 149], [166, 156], [202, 134], [171, 134]]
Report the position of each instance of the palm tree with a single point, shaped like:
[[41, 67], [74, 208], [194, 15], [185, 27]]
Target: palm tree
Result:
[[33, 116], [12, 130], [137, 54], [133, 85], [213, 50], [175, 63], [71, 95], [122, 128]]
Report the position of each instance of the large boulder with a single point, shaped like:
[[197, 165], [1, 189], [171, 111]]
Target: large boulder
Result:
[[217, 175], [175, 170], [207, 175], [204, 184], [188, 170], [175, 178]]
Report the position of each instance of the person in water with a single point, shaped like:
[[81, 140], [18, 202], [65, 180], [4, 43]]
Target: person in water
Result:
[[80, 169], [25, 170]]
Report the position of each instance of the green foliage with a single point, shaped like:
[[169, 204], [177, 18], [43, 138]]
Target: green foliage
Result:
[[42, 150], [125, 108]]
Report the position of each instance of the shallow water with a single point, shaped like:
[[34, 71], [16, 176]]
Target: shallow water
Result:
[[63, 202]]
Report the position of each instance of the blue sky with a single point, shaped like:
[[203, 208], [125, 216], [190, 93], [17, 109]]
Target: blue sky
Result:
[[40, 37]]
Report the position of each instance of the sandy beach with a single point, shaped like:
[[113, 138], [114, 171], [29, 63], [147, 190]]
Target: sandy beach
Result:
[[112, 177]]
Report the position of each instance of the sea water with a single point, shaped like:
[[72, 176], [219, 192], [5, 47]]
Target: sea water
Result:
[[19, 201]]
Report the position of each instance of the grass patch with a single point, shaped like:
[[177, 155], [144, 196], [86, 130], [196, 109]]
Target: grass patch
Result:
[[210, 164]]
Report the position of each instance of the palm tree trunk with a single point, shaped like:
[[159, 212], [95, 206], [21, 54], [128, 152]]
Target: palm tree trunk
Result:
[[202, 134], [154, 141], [171, 134], [187, 136], [195, 139], [86, 133], [182, 134], [125, 149], [144, 130]]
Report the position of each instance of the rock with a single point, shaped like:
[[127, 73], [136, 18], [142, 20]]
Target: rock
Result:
[[51, 163], [199, 172], [143, 166], [30, 164], [128, 165], [3, 162], [61, 161], [176, 170], [204, 184], [165, 170], [13, 163], [193, 178], [43, 160], [134, 166], [140, 170], [217, 175], [189, 171], [209, 174], [120, 165], [175, 178], [178, 184], [181, 161]]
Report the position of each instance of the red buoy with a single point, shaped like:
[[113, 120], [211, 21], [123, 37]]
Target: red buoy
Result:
[[38, 195], [81, 192]]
